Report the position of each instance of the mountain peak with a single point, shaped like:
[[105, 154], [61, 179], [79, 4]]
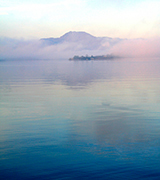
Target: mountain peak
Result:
[[76, 35]]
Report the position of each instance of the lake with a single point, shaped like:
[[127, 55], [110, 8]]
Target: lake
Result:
[[80, 119]]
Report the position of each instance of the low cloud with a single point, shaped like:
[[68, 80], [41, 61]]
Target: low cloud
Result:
[[137, 48], [45, 49]]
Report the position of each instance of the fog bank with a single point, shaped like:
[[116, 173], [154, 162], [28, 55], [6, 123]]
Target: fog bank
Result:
[[137, 48], [77, 43]]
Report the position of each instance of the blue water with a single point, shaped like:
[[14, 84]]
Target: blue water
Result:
[[80, 120]]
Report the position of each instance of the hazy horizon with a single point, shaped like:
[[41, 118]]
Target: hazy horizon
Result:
[[134, 22], [77, 43]]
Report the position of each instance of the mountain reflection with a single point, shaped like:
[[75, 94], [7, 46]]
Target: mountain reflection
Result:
[[78, 74]]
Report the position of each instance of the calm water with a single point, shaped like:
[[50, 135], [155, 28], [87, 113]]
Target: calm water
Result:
[[80, 120]]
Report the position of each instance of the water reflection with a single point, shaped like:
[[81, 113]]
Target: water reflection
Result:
[[82, 119]]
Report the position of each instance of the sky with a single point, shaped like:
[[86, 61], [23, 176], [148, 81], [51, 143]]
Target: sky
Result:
[[52, 18]]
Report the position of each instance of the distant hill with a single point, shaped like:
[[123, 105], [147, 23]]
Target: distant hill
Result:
[[83, 40]]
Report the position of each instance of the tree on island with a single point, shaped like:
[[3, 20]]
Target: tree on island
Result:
[[101, 57]]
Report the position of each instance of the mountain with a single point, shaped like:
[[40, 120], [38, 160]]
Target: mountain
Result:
[[82, 40], [71, 36]]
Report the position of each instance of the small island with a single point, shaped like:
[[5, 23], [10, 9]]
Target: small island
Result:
[[102, 57]]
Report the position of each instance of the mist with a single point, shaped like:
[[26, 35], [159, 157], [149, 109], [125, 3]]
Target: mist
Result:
[[137, 48], [65, 48]]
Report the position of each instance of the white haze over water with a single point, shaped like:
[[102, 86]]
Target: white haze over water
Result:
[[138, 48], [77, 43]]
